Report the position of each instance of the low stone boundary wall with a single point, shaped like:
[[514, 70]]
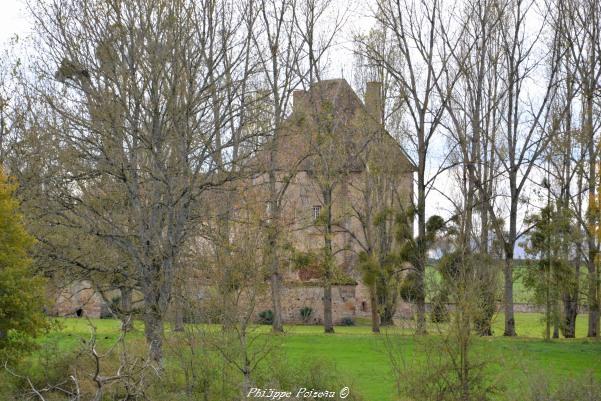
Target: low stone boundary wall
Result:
[[348, 301]]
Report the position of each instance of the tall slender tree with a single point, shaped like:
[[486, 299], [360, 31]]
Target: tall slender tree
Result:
[[417, 30]]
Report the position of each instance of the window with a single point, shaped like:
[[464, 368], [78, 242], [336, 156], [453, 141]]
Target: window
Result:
[[316, 212]]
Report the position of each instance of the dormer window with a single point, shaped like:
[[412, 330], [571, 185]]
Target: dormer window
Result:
[[316, 212]]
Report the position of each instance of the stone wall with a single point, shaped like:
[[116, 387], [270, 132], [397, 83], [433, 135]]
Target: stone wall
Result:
[[77, 299], [347, 302], [80, 299]]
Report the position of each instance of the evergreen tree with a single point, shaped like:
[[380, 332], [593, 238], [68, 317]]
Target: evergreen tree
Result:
[[550, 274], [21, 293]]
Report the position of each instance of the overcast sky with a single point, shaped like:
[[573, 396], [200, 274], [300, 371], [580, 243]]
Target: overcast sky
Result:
[[14, 20]]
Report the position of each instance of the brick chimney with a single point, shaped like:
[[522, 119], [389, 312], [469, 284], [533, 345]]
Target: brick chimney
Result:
[[373, 100], [299, 100]]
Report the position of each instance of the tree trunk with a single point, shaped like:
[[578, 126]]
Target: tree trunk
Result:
[[246, 367], [328, 324], [157, 287], [387, 317], [570, 294], [276, 290], [422, 253], [593, 298], [127, 320], [508, 296], [179, 313], [570, 305], [421, 305], [508, 270], [483, 324], [555, 318], [275, 277], [375, 317], [588, 89], [273, 215], [154, 330], [387, 313], [386, 301], [570, 314]]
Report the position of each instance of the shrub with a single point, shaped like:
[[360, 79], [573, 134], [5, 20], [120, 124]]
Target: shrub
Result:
[[347, 321], [439, 314], [586, 388], [266, 317], [306, 312]]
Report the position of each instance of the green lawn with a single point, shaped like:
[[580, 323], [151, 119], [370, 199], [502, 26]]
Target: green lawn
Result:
[[363, 358], [521, 294]]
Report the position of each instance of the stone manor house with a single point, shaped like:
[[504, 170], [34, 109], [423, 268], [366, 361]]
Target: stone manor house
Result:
[[331, 139]]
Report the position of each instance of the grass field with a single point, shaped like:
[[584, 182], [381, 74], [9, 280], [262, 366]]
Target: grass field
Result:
[[363, 360], [521, 294]]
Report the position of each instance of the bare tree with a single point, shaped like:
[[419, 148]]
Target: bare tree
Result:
[[328, 160], [279, 54], [472, 123], [523, 140], [135, 106], [585, 55], [383, 190], [417, 30], [563, 166]]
